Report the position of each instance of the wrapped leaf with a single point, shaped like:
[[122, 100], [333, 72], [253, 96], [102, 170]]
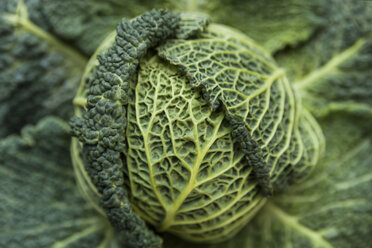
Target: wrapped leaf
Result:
[[329, 209]]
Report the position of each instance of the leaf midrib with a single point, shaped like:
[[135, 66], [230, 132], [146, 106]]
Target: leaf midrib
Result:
[[331, 65], [21, 19], [293, 223], [192, 181]]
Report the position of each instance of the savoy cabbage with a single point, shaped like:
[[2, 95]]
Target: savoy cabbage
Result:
[[187, 132]]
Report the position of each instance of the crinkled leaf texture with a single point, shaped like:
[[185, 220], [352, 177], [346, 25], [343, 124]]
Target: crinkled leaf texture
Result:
[[40, 205], [184, 171], [236, 74], [331, 209], [201, 150], [101, 127]]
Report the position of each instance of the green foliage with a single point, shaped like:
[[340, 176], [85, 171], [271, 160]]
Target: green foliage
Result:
[[233, 118], [184, 171], [40, 205], [272, 24], [236, 73], [104, 141], [43, 51], [85, 23], [185, 130], [338, 57], [38, 73], [330, 209]]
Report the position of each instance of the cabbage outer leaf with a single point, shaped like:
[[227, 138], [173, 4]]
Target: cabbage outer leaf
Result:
[[331, 71], [39, 73], [40, 205], [274, 25]]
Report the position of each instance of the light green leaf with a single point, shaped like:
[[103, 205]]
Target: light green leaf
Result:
[[40, 205], [239, 77], [184, 171], [332, 208]]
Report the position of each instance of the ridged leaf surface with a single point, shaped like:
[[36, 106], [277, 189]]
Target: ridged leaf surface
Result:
[[185, 172], [235, 73]]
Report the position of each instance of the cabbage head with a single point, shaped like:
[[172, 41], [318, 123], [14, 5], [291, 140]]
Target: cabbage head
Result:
[[188, 126]]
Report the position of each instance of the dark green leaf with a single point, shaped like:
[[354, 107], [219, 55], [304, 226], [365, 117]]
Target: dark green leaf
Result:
[[332, 70], [40, 205], [39, 74]]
